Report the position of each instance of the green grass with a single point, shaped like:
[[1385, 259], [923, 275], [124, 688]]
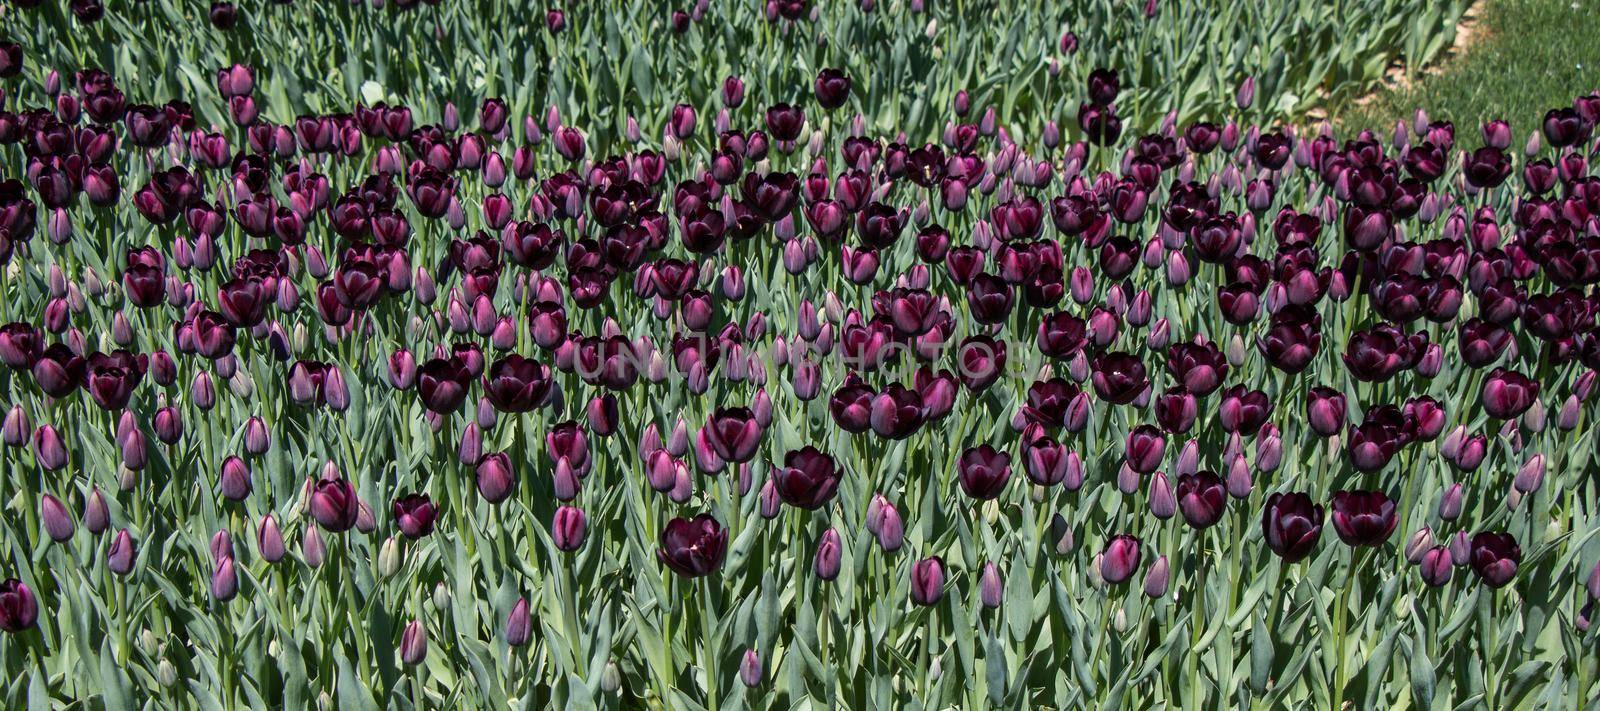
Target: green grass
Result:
[[1528, 56]]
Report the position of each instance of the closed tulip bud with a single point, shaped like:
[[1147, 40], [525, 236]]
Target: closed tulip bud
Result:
[[1418, 544], [829, 550], [1436, 566], [1156, 579], [1450, 502], [1163, 504], [1239, 480], [470, 449], [568, 528], [19, 609], [414, 643], [269, 540], [441, 597], [15, 428], [312, 548], [891, 529], [1567, 418], [519, 624], [1120, 560], [389, 558], [927, 581], [234, 481], [49, 449], [55, 519], [1461, 548], [120, 556], [224, 580], [770, 503], [1060, 535], [991, 591], [1472, 452], [96, 515], [1531, 475]]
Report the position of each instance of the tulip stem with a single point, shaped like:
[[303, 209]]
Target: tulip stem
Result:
[[709, 633]]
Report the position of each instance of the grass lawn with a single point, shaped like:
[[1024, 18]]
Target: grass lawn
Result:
[[1527, 57]]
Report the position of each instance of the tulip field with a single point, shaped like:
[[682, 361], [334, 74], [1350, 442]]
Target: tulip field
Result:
[[869, 354]]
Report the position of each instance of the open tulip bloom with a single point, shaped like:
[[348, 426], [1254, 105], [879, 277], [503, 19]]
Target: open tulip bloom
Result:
[[545, 362]]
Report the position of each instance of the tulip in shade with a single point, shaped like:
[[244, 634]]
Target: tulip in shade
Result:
[[19, 610], [693, 548]]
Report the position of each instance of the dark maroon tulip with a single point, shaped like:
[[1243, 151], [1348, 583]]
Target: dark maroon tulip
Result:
[[1424, 419], [1482, 342], [927, 581], [1049, 402], [1176, 410], [1200, 368], [1564, 127], [734, 433], [1103, 86], [1202, 498], [826, 564], [58, 371], [1045, 461], [1120, 560], [334, 504], [833, 88], [1494, 557], [243, 302], [442, 384], [851, 407], [897, 412], [20, 344], [1293, 339], [495, 477], [1061, 335], [1487, 167], [983, 472], [144, 280], [693, 548], [1363, 518], [808, 479], [1377, 354], [19, 610], [568, 528], [111, 378], [1244, 411], [980, 361], [1100, 124], [517, 384], [1373, 443], [1144, 449], [414, 515], [1291, 524], [989, 298], [1507, 394], [785, 122], [1118, 378], [1325, 411]]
